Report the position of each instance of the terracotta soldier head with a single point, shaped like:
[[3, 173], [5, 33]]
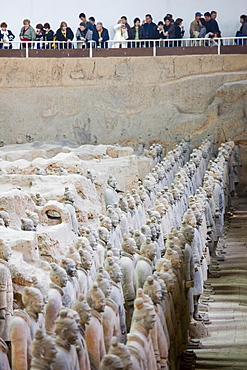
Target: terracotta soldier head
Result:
[[86, 259], [104, 234], [82, 308], [73, 254], [153, 289], [33, 300], [111, 362], [58, 275], [69, 266], [122, 351], [106, 222], [128, 245], [5, 251], [102, 278], [96, 298], [139, 238], [144, 314], [112, 182], [189, 218], [43, 350], [148, 249], [66, 327], [41, 286], [188, 232], [83, 243], [113, 269], [123, 204]]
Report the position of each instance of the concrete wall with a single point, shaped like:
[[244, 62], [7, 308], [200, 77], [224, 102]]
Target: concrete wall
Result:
[[109, 100], [108, 11]]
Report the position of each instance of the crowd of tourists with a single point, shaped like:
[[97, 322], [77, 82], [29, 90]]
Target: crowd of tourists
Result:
[[203, 26]]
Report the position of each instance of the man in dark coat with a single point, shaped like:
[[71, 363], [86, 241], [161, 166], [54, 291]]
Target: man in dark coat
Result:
[[214, 16], [89, 25], [150, 27], [102, 36], [211, 25]]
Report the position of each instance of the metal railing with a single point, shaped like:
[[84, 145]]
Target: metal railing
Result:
[[126, 44]]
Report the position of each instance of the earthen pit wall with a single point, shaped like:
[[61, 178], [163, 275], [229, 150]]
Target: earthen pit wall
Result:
[[109, 100]]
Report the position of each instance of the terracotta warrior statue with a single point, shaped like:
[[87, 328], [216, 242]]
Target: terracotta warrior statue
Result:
[[67, 331], [6, 291], [104, 237], [43, 350], [40, 201], [114, 270], [144, 266], [71, 290], [23, 327], [59, 280], [83, 269], [111, 323], [94, 330], [110, 191], [139, 340], [84, 312], [69, 200], [128, 262], [153, 289]]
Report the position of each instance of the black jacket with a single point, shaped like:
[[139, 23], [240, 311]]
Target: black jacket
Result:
[[150, 30], [48, 36], [61, 37], [92, 27], [105, 37], [212, 26], [171, 30], [178, 32], [132, 33]]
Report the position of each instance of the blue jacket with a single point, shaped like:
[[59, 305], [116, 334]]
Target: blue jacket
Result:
[[91, 27], [150, 30]]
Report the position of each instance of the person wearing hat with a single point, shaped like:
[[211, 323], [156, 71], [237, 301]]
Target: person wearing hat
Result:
[[195, 26]]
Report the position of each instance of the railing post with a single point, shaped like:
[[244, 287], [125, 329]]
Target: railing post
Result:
[[219, 42], [154, 49], [91, 50], [26, 50]]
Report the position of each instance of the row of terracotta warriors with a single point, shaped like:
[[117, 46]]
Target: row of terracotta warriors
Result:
[[143, 276]]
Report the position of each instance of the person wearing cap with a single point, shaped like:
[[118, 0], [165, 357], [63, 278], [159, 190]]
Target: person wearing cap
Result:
[[194, 26]]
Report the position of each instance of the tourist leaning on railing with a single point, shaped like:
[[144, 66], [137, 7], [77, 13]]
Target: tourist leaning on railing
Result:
[[102, 36], [39, 35], [48, 35], [179, 31], [6, 36], [83, 36], [27, 33], [214, 16], [136, 32], [64, 33]]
